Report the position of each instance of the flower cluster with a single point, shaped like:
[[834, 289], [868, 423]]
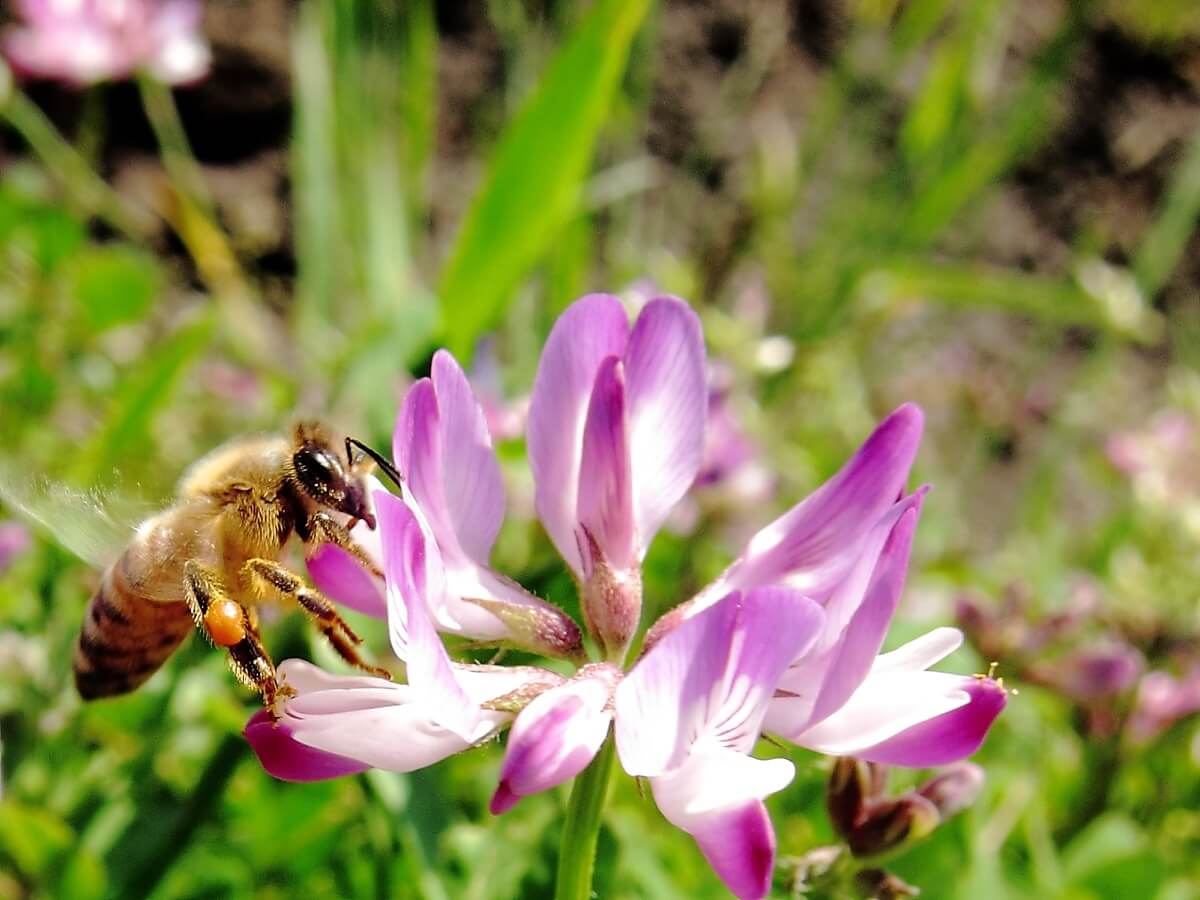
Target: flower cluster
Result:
[[785, 641], [82, 42]]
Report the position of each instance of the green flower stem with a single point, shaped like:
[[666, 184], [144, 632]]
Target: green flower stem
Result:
[[84, 189], [577, 858]]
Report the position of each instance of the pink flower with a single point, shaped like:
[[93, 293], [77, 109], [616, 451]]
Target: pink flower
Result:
[[616, 436], [786, 640], [85, 41]]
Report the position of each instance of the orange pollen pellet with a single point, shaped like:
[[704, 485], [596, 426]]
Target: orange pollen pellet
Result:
[[224, 623]]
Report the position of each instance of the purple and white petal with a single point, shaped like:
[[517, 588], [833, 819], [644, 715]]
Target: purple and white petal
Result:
[[412, 576], [857, 618], [422, 446], [814, 545], [667, 406], [716, 796], [555, 737], [592, 328], [711, 679], [285, 758], [946, 738], [900, 702], [606, 499]]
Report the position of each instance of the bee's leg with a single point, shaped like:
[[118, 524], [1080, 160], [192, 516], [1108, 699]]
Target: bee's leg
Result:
[[322, 528], [229, 624], [266, 572]]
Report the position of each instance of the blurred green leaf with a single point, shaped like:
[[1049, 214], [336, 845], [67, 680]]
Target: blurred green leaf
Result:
[[142, 394], [46, 231], [536, 174], [1112, 858], [114, 284], [32, 838]]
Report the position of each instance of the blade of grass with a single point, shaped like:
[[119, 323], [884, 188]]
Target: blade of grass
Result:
[[1168, 236], [536, 174]]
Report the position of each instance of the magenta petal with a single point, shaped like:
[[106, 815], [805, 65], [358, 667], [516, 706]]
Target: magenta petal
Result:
[[668, 402], [947, 738], [591, 329], [339, 576], [553, 739], [286, 758], [740, 846], [605, 482], [812, 546], [716, 796]]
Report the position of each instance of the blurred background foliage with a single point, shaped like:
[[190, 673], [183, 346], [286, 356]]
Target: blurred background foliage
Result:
[[986, 207]]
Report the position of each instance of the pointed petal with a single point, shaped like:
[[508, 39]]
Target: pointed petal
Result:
[[412, 576], [857, 618], [605, 506], [442, 446], [668, 403], [812, 546], [553, 739], [716, 797], [286, 758], [947, 738], [472, 485], [903, 715], [711, 678], [591, 329]]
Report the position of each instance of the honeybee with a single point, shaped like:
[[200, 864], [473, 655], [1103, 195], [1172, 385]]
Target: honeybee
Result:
[[208, 560]]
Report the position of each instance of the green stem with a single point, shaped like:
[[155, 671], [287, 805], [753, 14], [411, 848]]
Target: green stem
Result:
[[85, 190], [578, 855], [178, 159], [194, 219]]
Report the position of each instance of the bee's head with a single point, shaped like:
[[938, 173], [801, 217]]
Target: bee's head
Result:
[[328, 480]]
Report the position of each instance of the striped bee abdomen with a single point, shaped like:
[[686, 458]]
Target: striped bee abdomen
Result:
[[125, 638]]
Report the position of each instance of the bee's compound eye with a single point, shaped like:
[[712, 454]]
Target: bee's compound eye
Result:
[[319, 472], [225, 623]]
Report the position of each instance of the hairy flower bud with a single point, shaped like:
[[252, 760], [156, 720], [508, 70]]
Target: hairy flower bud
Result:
[[612, 604], [541, 629]]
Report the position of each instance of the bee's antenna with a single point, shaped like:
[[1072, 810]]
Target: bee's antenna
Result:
[[382, 461]]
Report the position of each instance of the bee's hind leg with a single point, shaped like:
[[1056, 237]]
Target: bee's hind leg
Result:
[[227, 623], [266, 572]]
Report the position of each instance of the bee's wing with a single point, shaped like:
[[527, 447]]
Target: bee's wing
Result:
[[96, 524]]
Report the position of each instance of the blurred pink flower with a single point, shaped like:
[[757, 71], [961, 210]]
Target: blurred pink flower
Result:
[[14, 541], [82, 42], [1162, 700]]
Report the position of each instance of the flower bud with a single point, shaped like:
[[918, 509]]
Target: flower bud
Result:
[[612, 604], [853, 784], [892, 824], [546, 630], [954, 789], [881, 885]]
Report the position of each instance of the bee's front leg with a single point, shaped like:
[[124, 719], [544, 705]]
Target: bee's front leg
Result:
[[268, 574], [322, 528], [227, 623]]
